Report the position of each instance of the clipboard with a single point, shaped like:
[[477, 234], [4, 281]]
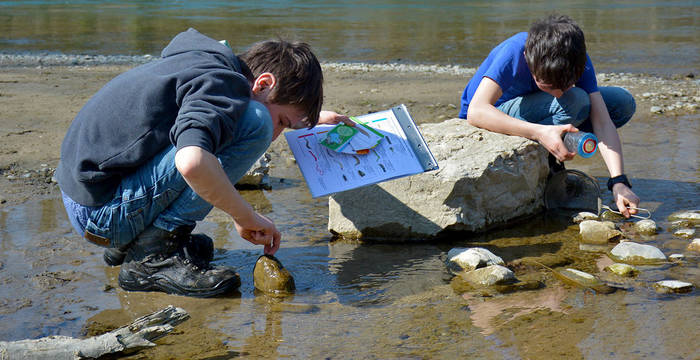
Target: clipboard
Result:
[[402, 152]]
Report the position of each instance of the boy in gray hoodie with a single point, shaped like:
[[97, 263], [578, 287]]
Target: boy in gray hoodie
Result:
[[158, 146]]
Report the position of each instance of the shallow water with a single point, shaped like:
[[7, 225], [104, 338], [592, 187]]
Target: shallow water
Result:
[[378, 300], [653, 36]]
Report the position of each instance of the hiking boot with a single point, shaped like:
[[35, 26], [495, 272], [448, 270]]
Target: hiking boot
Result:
[[158, 262], [199, 245]]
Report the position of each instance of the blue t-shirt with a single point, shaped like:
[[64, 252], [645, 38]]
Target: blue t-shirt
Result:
[[506, 66]]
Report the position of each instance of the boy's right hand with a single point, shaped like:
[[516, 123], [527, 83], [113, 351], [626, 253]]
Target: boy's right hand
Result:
[[259, 230], [550, 136]]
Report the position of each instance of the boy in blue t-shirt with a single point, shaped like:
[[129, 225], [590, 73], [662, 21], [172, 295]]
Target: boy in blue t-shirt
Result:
[[546, 78]]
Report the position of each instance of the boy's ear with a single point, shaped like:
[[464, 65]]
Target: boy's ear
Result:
[[264, 83]]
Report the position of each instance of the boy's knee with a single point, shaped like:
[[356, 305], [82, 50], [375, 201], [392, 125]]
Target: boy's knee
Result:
[[577, 104], [620, 103]]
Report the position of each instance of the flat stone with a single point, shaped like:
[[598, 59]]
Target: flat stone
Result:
[[485, 180], [488, 276], [646, 227], [694, 245], [691, 216], [634, 253], [684, 233], [672, 286], [676, 257], [598, 232], [468, 259], [584, 215]]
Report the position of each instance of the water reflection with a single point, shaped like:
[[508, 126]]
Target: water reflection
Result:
[[443, 31]]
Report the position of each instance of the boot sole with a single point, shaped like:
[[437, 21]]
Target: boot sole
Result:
[[158, 283]]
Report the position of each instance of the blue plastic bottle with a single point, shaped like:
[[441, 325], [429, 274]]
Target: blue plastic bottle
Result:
[[582, 143]]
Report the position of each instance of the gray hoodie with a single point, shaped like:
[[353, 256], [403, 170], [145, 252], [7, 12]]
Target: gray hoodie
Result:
[[192, 95]]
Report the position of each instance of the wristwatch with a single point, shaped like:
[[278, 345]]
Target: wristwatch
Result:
[[618, 179]]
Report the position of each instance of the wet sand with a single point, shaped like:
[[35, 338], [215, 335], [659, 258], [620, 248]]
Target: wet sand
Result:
[[352, 300]]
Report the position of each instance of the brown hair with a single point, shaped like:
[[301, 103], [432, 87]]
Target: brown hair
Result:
[[297, 71], [555, 51]]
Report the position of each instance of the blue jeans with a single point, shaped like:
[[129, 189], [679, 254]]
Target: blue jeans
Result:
[[157, 194], [573, 107]]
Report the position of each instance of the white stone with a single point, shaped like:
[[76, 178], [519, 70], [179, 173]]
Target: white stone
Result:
[[622, 269], [467, 259], [585, 215], [629, 251], [490, 275], [646, 227], [485, 180], [692, 216], [598, 232], [676, 257], [673, 286]]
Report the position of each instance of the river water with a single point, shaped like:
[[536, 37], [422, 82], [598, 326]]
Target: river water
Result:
[[651, 36], [374, 300]]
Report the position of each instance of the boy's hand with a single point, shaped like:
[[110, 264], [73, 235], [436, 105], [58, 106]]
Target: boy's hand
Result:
[[550, 137], [332, 118], [259, 230], [624, 198]]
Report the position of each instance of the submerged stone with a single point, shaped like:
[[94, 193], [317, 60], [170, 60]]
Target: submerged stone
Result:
[[468, 259], [609, 215], [672, 286], [625, 270], [489, 275], [271, 276], [684, 233], [582, 279], [598, 232], [584, 215], [676, 257], [691, 216], [634, 253], [646, 227], [694, 245]]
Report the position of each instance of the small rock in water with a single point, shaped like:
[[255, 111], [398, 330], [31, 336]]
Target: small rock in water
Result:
[[582, 279], [622, 269], [672, 286], [598, 232], [271, 276], [656, 109], [646, 227], [691, 216], [694, 245], [634, 253], [676, 257], [585, 215], [684, 233], [611, 216], [490, 275], [468, 259]]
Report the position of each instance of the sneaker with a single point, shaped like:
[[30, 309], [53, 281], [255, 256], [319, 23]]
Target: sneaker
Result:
[[158, 260], [199, 245]]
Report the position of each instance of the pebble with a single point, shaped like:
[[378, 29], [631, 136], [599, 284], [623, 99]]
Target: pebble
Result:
[[488, 276], [468, 259], [692, 216], [598, 232], [676, 257], [672, 286], [656, 110], [585, 215]]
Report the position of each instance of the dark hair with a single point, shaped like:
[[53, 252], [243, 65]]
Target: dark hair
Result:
[[297, 71], [555, 51]]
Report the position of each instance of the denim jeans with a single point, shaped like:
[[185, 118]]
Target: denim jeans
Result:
[[157, 194], [573, 107]]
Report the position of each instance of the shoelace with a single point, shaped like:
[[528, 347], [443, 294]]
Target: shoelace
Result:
[[606, 207]]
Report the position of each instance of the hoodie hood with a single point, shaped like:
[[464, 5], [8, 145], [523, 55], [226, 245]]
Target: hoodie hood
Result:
[[193, 40]]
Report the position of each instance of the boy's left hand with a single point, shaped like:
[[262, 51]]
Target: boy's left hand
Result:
[[332, 118], [625, 199]]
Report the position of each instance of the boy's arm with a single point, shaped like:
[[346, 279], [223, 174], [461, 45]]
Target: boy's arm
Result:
[[482, 113], [611, 151], [204, 174]]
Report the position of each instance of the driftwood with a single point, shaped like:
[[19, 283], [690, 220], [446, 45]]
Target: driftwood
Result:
[[127, 339]]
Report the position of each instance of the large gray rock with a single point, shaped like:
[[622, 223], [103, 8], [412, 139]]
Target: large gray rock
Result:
[[485, 180]]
